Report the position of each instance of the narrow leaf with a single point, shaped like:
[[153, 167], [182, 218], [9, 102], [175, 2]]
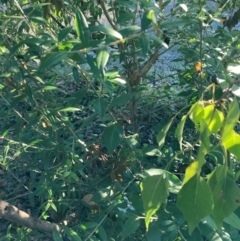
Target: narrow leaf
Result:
[[162, 134], [106, 30], [52, 59], [179, 130]]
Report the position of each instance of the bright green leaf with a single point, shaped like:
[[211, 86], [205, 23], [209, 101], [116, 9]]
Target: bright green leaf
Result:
[[179, 130], [214, 118], [232, 143], [191, 171], [106, 30], [231, 119], [102, 59], [147, 19], [154, 191]]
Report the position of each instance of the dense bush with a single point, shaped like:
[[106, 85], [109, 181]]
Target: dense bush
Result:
[[119, 120]]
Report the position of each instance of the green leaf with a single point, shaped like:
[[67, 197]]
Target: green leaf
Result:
[[70, 109], [106, 30], [76, 74], [144, 44], [214, 118], [154, 191], [121, 99], [125, 17], [56, 235], [191, 171], [162, 134], [102, 59], [147, 19], [71, 234], [100, 106], [195, 201], [232, 143], [231, 119], [153, 234], [81, 26], [102, 233], [93, 65], [63, 33], [233, 220], [51, 60], [112, 136], [130, 227], [196, 114], [226, 197], [179, 130]]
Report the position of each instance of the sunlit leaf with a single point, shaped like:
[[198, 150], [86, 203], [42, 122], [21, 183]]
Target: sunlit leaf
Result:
[[106, 30], [179, 130], [191, 171], [154, 193], [231, 119], [232, 143]]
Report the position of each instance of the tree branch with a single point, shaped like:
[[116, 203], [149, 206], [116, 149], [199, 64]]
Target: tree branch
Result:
[[15, 215]]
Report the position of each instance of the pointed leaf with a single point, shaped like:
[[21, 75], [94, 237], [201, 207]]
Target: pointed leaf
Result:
[[233, 220], [214, 118], [130, 227], [154, 191], [81, 26], [112, 136], [100, 106], [147, 19], [191, 171], [102, 59], [63, 33], [76, 74], [232, 143], [195, 201], [107, 31], [179, 130], [226, 197], [52, 59], [162, 134], [231, 119], [56, 235]]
